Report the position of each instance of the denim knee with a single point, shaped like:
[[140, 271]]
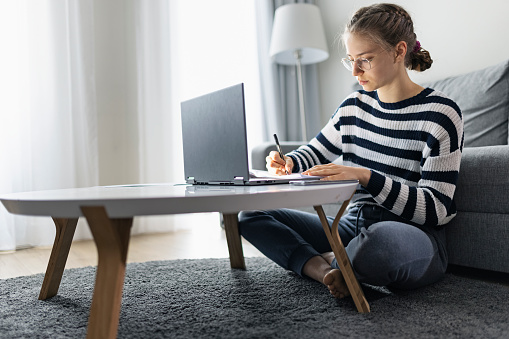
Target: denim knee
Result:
[[393, 253], [246, 218], [248, 214]]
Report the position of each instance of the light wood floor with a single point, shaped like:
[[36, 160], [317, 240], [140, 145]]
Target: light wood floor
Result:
[[198, 241], [202, 240]]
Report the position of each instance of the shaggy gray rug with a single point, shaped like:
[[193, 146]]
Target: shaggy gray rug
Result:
[[207, 299]]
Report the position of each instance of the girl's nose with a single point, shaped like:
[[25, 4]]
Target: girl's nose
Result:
[[356, 71]]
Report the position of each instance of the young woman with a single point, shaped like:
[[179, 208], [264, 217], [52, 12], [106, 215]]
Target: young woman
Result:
[[403, 143]]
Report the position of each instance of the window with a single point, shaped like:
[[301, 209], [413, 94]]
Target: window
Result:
[[216, 48]]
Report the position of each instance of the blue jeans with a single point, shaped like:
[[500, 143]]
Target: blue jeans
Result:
[[384, 250]]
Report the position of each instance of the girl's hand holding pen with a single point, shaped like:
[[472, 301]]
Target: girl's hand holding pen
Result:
[[278, 166]]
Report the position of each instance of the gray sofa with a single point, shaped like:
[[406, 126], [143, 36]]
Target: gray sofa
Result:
[[478, 236]]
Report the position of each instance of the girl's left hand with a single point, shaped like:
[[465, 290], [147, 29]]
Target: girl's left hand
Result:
[[340, 172]]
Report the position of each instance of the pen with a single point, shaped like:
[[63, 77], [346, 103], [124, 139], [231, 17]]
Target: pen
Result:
[[279, 150]]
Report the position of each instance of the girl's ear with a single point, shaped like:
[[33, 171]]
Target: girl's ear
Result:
[[401, 50]]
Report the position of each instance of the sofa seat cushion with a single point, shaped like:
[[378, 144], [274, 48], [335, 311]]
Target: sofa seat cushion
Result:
[[479, 240], [483, 97], [483, 182]]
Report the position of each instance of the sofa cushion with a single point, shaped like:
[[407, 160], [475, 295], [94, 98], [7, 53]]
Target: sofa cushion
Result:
[[483, 180], [479, 240], [483, 97]]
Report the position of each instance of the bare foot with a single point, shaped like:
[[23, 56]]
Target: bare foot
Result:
[[336, 283]]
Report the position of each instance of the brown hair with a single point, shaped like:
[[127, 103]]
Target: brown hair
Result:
[[387, 25]]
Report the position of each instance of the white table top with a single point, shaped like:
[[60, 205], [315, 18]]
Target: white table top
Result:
[[157, 199]]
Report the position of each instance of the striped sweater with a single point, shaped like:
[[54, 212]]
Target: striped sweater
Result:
[[412, 147]]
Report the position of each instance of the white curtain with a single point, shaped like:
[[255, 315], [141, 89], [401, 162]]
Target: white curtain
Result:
[[91, 93], [48, 131], [158, 103], [85, 101]]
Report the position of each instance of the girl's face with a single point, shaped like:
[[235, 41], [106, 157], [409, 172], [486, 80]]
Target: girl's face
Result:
[[366, 53]]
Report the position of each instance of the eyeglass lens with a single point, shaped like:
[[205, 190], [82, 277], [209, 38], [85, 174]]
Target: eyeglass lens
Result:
[[362, 64]]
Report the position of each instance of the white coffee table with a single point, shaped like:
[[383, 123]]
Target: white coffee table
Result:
[[109, 211]]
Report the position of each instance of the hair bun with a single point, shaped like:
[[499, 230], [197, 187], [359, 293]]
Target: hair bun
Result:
[[420, 60]]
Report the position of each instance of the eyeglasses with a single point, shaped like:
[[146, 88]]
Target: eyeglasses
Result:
[[362, 63]]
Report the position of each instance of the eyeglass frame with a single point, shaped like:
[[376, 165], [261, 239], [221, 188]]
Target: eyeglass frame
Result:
[[348, 63]]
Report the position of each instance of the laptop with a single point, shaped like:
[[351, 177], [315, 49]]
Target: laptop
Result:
[[215, 142]]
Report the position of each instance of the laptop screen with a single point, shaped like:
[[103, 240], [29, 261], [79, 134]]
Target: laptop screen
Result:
[[214, 137]]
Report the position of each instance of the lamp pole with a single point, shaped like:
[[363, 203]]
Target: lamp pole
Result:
[[302, 107], [298, 38]]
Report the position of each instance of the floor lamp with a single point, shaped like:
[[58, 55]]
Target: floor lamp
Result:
[[298, 38]]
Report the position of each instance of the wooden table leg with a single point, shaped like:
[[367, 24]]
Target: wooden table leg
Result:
[[65, 229], [342, 258], [231, 227], [111, 237]]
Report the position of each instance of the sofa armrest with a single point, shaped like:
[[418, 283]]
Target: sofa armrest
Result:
[[483, 180], [260, 152]]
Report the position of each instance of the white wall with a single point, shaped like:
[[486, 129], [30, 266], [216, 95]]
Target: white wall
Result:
[[461, 36]]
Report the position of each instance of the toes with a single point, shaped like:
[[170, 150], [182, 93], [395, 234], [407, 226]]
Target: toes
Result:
[[328, 279], [337, 294], [336, 284]]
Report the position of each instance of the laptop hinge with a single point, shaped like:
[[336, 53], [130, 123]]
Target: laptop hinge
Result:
[[190, 180], [238, 180]]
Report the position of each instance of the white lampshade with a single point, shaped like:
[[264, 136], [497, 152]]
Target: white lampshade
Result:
[[298, 27]]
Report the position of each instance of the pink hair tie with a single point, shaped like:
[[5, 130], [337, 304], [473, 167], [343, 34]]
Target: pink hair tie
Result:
[[417, 47]]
